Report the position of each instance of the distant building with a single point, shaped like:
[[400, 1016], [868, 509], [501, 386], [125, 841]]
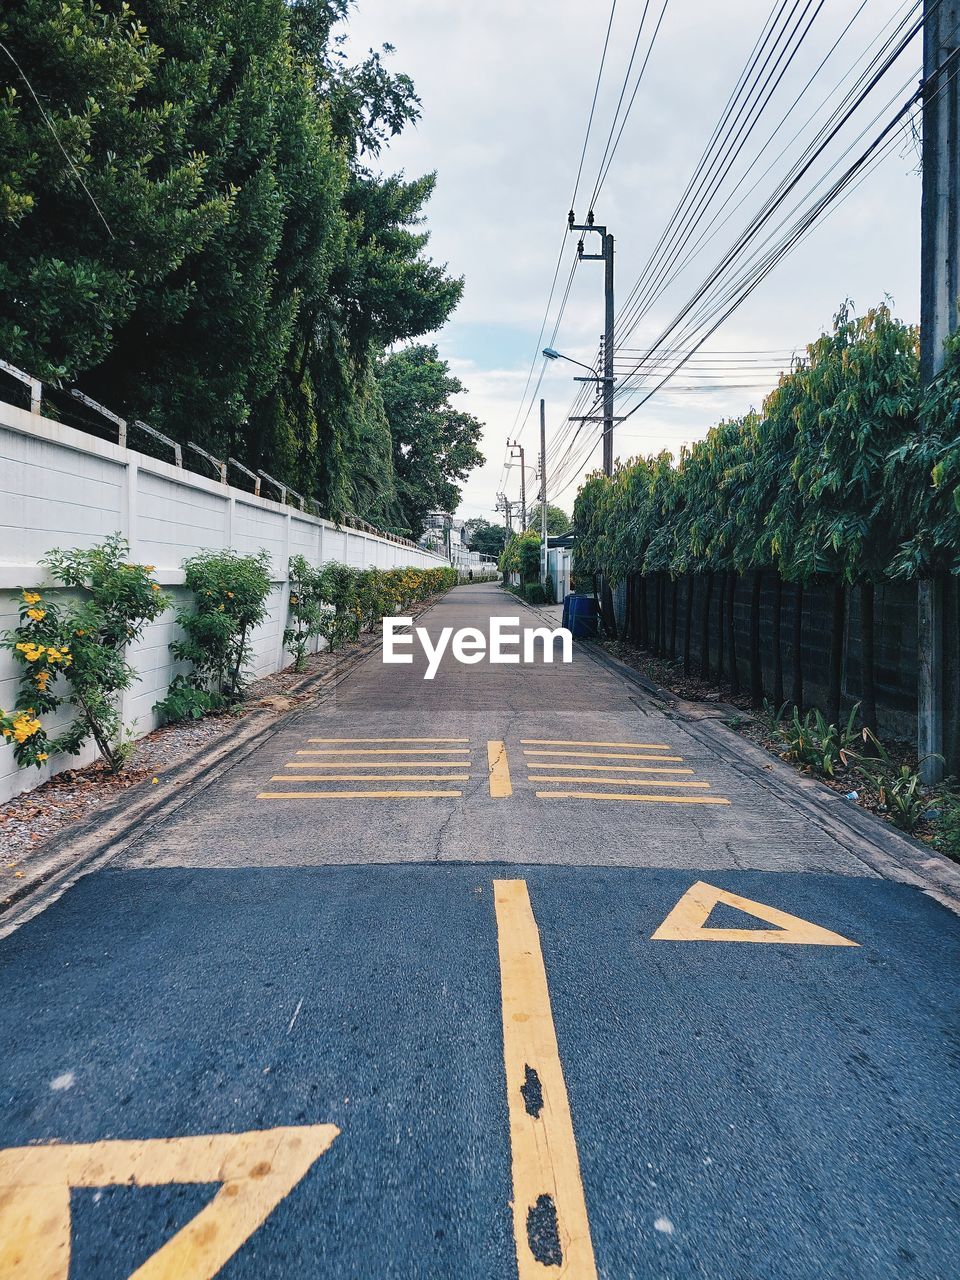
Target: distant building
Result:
[[446, 535]]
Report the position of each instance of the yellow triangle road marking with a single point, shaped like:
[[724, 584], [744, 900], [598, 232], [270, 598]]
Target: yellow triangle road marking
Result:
[[256, 1171], [687, 922]]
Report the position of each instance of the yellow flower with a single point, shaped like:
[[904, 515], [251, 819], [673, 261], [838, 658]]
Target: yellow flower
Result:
[[42, 755], [149, 567], [155, 586], [31, 597], [36, 614], [79, 633], [230, 595], [54, 655]]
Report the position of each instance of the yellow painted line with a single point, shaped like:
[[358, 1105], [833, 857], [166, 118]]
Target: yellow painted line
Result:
[[256, 1171], [499, 770], [600, 755], [349, 795], [372, 777], [623, 782], [599, 768], [687, 922], [381, 764], [562, 742], [543, 1149], [388, 739], [402, 751], [610, 795]]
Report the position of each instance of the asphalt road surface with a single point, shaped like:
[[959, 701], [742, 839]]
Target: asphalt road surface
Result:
[[512, 973]]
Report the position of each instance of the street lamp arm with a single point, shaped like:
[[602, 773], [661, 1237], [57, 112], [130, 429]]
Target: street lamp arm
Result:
[[558, 355]]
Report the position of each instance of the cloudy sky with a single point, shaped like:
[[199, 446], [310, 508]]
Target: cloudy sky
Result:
[[506, 90]]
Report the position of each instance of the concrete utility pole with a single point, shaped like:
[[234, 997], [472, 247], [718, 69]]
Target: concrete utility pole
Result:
[[523, 480], [544, 559], [939, 290], [606, 257]]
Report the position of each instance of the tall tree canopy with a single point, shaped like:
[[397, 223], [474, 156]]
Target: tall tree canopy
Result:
[[434, 444], [194, 234]]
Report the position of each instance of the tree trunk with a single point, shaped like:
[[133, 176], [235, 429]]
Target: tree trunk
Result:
[[732, 633], [777, 650], [868, 702], [836, 653], [797, 694], [756, 670], [721, 638], [705, 629], [688, 625], [674, 600]]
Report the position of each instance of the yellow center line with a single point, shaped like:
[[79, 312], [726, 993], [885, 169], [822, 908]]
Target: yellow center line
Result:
[[600, 755], [402, 751], [499, 770], [607, 795], [388, 739], [621, 782], [599, 768], [373, 777], [549, 1207], [562, 742], [349, 795]]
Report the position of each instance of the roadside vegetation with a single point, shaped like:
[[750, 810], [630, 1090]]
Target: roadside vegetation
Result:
[[196, 232], [846, 477]]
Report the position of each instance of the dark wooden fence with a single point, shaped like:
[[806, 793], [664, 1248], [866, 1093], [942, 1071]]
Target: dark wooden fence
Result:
[[755, 618]]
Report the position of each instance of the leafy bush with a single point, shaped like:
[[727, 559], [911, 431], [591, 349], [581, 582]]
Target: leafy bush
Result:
[[533, 593], [336, 602], [947, 837], [814, 744], [82, 642], [898, 786], [230, 593]]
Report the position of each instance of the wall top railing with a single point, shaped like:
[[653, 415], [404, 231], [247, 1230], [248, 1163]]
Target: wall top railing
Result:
[[288, 495]]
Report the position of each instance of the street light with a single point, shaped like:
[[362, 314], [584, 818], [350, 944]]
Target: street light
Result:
[[551, 354]]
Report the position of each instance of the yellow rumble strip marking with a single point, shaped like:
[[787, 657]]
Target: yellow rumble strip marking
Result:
[[404, 751], [599, 755], [606, 795], [561, 742], [388, 739], [256, 1171], [604, 768], [382, 764], [349, 795], [378, 777], [550, 1223], [622, 782], [499, 770]]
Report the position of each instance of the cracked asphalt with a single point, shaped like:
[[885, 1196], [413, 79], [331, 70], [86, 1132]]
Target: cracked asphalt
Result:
[[290, 951]]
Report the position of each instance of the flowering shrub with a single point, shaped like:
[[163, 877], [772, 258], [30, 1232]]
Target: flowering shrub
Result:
[[75, 651], [229, 599], [337, 602]]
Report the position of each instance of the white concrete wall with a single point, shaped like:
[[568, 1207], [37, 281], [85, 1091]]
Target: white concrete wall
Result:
[[62, 488]]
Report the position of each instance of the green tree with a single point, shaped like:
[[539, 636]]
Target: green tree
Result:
[[558, 522], [434, 444], [489, 539]]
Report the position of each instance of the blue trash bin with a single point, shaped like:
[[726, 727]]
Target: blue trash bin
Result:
[[580, 616]]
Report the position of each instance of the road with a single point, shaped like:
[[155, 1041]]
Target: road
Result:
[[461, 978]]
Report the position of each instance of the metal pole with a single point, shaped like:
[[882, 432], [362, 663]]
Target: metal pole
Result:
[[523, 491], [608, 352], [543, 495], [939, 288]]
